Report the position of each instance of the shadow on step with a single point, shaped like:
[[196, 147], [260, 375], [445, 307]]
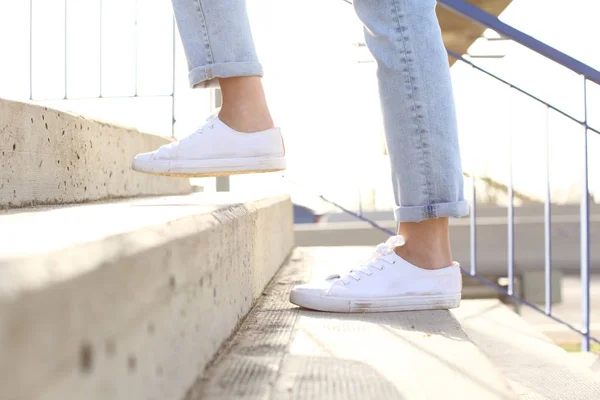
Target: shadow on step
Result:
[[299, 377]]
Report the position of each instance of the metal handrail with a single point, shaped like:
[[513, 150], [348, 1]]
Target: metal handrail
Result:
[[588, 73], [476, 14], [520, 90]]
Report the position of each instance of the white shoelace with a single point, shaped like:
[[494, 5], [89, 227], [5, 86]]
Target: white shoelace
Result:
[[208, 124], [375, 261]]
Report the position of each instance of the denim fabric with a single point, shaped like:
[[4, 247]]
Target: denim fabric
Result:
[[414, 85], [217, 40]]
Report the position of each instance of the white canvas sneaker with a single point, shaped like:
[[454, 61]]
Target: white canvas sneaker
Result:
[[215, 150], [385, 283]]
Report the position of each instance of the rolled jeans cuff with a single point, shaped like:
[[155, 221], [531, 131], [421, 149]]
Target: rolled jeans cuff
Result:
[[206, 76], [438, 210]]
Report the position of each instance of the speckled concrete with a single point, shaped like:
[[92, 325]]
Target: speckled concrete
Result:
[[130, 299], [50, 157]]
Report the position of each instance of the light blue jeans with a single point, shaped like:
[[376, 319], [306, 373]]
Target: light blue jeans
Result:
[[414, 85]]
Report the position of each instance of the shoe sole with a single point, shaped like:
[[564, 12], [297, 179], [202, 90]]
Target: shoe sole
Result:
[[211, 168], [357, 305]]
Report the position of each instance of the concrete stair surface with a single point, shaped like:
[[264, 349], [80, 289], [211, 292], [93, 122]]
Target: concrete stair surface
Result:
[[590, 360], [53, 157], [283, 352], [536, 368], [129, 299]]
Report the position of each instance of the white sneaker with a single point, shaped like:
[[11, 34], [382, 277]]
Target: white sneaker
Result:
[[214, 150], [385, 283]]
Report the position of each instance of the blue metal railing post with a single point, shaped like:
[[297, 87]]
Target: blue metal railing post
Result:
[[473, 215], [100, 58], [174, 33], [65, 50], [360, 207], [547, 224], [585, 235], [135, 48], [473, 224], [511, 208]]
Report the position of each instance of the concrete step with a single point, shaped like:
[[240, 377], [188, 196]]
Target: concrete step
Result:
[[129, 299], [534, 366], [283, 352], [50, 157]]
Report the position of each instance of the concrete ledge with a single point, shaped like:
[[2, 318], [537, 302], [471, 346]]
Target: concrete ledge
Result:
[[129, 299], [52, 157]]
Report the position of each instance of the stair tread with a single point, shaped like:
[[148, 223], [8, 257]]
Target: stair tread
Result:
[[31, 239], [535, 367], [138, 308], [281, 351], [590, 360]]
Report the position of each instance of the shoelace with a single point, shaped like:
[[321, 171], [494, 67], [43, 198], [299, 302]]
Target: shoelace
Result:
[[209, 123], [383, 249]]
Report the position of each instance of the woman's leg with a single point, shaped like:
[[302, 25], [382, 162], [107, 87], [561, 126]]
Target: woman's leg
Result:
[[244, 107], [220, 51], [420, 123], [217, 40], [219, 48], [413, 271]]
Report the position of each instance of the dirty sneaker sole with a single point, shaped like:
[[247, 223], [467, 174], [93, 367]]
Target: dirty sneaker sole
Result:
[[385, 304]]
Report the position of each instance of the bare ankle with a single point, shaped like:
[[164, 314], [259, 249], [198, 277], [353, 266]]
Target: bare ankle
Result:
[[244, 104], [245, 119], [426, 259], [427, 243]]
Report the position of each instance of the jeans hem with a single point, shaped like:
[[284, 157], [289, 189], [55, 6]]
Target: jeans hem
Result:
[[439, 210], [206, 76]]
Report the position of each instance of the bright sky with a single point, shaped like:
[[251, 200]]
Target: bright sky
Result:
[[325, 100]]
